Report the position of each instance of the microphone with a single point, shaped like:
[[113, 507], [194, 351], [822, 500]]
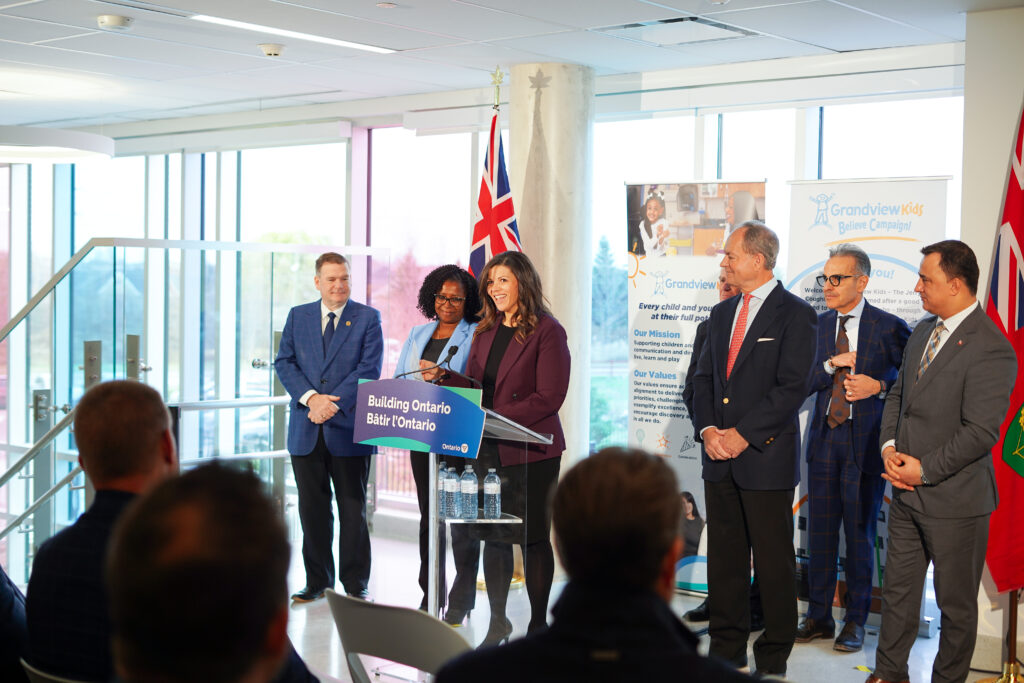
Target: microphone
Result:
[[452, 350]]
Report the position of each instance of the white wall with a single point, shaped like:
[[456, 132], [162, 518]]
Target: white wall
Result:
[[993, 90]]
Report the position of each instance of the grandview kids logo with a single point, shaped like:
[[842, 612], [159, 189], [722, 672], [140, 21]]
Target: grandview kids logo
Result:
[[864, 217]]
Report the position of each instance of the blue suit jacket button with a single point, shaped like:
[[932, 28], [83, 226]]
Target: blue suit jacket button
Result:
[[323, 381]]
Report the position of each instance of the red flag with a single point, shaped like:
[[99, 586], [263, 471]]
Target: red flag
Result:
[[1006, 308], [495, 230]]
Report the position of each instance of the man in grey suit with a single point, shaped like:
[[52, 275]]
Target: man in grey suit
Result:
[[941, 419]]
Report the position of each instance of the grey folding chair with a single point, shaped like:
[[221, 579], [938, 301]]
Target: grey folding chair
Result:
[[397, 634], [37, 676]]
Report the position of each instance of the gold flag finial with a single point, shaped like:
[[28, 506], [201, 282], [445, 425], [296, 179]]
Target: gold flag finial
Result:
[[496, 78]]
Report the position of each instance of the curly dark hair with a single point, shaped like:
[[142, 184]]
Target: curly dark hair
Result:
[[433, 282]]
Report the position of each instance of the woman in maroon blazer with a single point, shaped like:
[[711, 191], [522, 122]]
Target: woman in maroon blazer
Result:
[[520, 356]]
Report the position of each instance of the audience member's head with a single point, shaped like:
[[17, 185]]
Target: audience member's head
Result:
[[616, 518], [197, 575], [123, 434]]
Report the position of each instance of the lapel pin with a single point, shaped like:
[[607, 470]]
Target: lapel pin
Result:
[[959, 342], [348, 323]]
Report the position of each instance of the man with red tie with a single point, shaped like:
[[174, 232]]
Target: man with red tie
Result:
[[750, 382]]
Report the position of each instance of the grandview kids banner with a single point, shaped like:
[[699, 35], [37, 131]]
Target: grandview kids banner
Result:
[[891, 219], [675, 233]]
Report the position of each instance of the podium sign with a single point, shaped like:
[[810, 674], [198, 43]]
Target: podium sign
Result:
[[419, 416]]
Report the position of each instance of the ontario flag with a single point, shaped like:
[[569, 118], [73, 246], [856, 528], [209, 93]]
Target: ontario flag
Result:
[[1006, 308], [495, 230]]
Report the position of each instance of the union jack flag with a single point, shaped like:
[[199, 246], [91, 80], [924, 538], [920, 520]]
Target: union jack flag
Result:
[[495, 230], [1005, 307]]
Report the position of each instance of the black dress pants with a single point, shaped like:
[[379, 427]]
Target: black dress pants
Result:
[[741, 521], [314, 475]]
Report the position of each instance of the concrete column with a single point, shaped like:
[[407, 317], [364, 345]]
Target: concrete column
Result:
[[993, 86], [551, 153]]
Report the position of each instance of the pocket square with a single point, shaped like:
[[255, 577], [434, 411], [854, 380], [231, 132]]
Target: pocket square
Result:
[[761, 339]]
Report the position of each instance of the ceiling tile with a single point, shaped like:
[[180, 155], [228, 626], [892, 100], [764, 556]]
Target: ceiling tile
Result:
[[749, 49], [444, 17], [600, 50], [828, 25], [582, 13], [21, 30]]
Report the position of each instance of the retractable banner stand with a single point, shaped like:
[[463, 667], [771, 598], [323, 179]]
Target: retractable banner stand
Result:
[[675, 234], [890, 219]]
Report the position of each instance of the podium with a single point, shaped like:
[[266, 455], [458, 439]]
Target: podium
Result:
[[417, 415]]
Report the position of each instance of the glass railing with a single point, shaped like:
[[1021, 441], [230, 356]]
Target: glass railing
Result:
[[199, 321]]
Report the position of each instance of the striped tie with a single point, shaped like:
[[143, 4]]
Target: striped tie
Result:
[[932, 348], [839, 409], [737, 334]]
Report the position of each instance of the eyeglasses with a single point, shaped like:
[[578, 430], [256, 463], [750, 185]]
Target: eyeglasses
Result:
[[453, 300], [834, 280]]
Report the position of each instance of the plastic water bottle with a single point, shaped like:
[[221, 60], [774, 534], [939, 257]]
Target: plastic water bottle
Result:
[[492, 495], [470, 493], [451, 494], [442, 475]]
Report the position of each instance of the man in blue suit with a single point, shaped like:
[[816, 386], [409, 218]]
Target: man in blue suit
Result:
[[327, 346], [750, 382], [860, 349]]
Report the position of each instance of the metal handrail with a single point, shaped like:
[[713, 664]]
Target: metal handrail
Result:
[[200, 245], [37, 446], [222, 403], [67, 479]]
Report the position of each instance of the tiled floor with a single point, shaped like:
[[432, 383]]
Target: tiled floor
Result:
[[394, 582]]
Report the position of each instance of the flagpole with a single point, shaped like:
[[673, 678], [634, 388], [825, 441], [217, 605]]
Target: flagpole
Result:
[[1011, 669]]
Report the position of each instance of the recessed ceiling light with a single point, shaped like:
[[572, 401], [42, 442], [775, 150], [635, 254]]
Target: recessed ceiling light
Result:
[[298, 35], [387, 5]]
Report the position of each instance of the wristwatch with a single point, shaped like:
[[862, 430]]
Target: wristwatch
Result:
[[924, 479], [882, 392]]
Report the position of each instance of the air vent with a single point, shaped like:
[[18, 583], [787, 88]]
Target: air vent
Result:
[[676, 31]]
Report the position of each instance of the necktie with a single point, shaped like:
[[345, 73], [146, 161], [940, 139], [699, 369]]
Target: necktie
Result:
[[931, 349], [737, 334], [329, 332], [839, 409]]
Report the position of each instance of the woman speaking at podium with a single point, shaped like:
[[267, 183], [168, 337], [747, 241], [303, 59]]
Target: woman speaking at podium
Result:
[[521, 358], [448, 298]]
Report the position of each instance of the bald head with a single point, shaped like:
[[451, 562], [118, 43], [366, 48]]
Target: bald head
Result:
[[123, 434]]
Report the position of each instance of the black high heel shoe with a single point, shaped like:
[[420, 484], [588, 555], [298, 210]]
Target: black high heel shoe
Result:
[[454, 616], [497, 633]]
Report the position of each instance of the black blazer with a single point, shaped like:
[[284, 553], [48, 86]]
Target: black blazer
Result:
[[764, 392]]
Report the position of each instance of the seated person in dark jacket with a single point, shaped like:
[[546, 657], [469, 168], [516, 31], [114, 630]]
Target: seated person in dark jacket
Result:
[[123, 434], [197, 575], [13, 632], [616, 520]]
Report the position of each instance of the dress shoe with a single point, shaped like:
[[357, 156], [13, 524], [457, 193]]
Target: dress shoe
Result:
[[698, 613], [851, 638], [308, 594], [875, 679], [810, 629], [455, 616], [497, 632], [361, 594]]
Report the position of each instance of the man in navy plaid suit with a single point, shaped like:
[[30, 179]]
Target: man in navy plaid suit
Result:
[[860, 349]]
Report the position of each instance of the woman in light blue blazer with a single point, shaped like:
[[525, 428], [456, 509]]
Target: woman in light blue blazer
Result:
[[450, 299]]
